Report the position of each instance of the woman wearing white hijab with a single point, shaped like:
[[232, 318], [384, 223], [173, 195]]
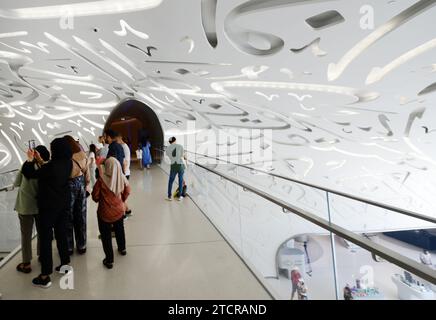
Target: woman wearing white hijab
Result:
[[111, 191]]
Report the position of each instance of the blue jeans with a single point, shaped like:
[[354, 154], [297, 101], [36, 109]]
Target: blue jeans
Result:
[[76, 223], [173, 174]]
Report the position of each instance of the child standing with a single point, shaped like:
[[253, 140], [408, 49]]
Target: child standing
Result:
[[111, 191], [139, 157]]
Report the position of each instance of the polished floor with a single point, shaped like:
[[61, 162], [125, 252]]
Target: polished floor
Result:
[[173, 253]]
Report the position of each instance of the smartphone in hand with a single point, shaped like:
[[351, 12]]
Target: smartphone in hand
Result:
[[32, 145]]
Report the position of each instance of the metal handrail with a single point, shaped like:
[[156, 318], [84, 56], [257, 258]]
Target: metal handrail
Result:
[[389, 255], [408, 264], [10, 171], [6, 188], [339, 193]]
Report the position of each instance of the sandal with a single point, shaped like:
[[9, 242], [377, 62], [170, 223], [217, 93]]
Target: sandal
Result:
[[108, 265], [24, 268]]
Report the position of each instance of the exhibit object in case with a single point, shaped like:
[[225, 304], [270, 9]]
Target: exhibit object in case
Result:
[[366, 294], [409, 289]]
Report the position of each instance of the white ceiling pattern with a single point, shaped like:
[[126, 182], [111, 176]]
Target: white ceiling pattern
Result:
[[350, 107]]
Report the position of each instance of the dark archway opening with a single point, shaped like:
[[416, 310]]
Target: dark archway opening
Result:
[[137, 122]]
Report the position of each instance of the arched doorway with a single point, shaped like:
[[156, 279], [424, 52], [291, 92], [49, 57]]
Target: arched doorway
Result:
[[138, 122]]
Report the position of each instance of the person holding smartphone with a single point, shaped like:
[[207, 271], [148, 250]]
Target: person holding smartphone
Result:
[[26, 206], [53, 203]]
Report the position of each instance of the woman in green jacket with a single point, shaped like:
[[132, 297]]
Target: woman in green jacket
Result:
[[27, 208]]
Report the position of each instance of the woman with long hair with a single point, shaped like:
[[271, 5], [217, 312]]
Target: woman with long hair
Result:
[[111, 191], [79, 182]]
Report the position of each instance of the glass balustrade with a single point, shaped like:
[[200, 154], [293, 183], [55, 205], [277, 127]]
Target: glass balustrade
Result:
[[286, 232], [273, 241], [10, 238]]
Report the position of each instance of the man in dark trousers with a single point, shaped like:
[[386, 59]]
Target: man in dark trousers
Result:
[[176, 153]]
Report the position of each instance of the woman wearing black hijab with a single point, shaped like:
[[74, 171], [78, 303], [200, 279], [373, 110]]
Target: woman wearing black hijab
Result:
[[53, 202]]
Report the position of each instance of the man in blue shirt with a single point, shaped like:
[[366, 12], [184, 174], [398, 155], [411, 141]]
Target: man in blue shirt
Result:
[[115, 149]]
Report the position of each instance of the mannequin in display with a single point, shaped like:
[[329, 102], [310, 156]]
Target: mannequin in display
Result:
[[425, 258], [302, 290], [411, 288]]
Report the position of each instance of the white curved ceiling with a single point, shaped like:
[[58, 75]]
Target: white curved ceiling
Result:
[[350, 108]]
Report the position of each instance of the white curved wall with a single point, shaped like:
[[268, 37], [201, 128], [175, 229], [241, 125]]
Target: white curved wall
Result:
[[349, 107]]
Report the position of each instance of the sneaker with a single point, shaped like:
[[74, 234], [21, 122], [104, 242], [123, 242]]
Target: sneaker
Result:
[[42, 283], [169, 199], [58, 268], [81, 251], [179, 198], [24, 268], [108, 265], [125, 217]]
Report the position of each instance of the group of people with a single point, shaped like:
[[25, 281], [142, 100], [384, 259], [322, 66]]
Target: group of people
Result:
[[53, 190]]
